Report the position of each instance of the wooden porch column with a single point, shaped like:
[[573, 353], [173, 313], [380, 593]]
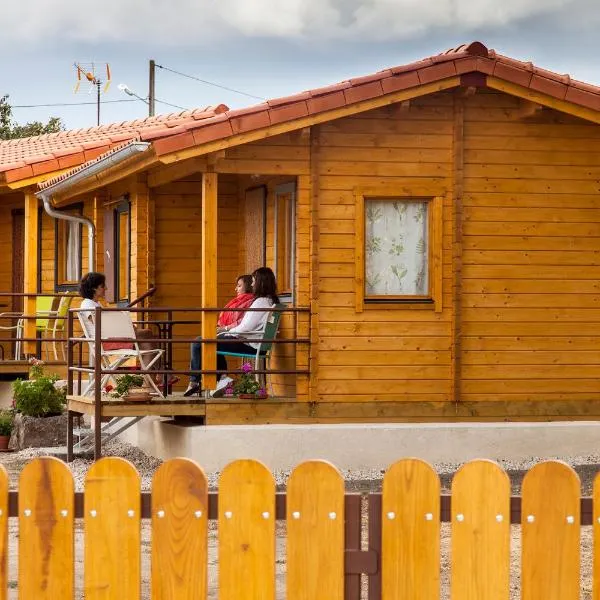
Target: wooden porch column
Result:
[[209, 275], [30, 271]]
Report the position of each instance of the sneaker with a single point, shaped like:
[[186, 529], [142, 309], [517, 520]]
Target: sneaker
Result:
[[221, 387]]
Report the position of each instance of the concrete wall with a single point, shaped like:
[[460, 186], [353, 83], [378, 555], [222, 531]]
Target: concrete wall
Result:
[[281, 447]]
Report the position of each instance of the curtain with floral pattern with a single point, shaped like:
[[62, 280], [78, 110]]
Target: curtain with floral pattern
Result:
[[396, 248]]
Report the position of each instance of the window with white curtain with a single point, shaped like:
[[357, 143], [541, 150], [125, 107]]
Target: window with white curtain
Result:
[[396, 248], [68, 253]]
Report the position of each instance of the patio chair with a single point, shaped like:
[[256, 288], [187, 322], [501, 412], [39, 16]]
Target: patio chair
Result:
[[263, 352], [58, 324], [45, 307], [118, 324]]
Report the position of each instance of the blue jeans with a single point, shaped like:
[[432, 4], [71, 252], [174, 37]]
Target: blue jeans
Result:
[[196, 355]]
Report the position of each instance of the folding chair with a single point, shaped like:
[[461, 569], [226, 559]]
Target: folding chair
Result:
[[265, 345], [118, 324]]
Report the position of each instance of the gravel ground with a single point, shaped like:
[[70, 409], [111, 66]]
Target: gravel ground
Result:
[[362, 481]]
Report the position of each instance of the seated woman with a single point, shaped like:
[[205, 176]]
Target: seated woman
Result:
[[250, 327], [243, 299], [92, 288]]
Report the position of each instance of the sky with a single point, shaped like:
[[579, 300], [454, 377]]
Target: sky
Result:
[[264, 48]]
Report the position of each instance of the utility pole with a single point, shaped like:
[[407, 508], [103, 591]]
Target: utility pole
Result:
[[98, 83], [151, 90]]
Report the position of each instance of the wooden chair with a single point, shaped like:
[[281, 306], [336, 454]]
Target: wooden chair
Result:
[[118, 324], [263, 352]]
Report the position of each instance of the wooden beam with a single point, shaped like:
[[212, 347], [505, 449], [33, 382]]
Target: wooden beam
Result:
[[22, 183], [338, 113], [528, 94], [167, 173], [457, 212], [209, 274], [31, 267]]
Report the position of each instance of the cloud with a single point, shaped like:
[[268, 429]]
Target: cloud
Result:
[[199, 22]]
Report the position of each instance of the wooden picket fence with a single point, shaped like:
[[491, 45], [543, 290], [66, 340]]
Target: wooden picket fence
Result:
[[325, 556]]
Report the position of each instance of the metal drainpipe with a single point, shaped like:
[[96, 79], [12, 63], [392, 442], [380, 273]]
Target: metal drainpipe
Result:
[[56, 214]]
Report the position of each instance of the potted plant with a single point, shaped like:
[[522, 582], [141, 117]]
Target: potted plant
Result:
[[129, 387], [6, 427], [246, 385], [39, 404]]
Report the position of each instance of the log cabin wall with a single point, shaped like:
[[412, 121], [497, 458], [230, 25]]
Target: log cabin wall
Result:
[[531, 258], [400, 353]]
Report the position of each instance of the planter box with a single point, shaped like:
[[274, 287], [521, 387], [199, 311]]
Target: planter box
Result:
[[38, 432]]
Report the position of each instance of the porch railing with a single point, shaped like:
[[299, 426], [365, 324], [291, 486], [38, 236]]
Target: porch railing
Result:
[[164, 319]]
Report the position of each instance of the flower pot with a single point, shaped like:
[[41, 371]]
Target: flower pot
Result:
[[137, 395], [252, 396], [4, 439]]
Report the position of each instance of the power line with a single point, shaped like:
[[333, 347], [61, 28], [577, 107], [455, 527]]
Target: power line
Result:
[[68, 103], [223, 87]]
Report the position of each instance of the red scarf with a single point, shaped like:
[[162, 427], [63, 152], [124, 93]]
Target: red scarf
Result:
[[232, 318]]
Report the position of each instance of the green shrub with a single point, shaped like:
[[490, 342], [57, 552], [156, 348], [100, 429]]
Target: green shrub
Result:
[[37, 396], [6, 422]]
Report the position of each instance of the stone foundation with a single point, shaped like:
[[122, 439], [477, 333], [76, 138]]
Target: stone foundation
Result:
[[38, 432]]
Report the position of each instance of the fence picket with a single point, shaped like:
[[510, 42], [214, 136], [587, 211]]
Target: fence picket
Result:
[[112, 531], [550, 532], [246, 532], [480, 532], [410, 560], [179, 531], [315, 532], [3, 533], [46, 533]]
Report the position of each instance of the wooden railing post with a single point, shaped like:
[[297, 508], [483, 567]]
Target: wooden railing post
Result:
[[30, 272], [209, 275]]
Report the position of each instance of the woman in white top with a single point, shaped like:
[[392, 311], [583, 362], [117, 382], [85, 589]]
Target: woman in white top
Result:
[[92, 289], [252, 326]]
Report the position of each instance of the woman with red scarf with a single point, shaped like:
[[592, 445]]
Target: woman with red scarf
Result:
[[244, 298]]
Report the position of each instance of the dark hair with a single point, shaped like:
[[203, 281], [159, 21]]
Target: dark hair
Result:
[[247, 280], [89, 283], [265, 285]]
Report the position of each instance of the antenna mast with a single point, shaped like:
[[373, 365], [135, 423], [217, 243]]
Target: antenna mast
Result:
[[87, 71]]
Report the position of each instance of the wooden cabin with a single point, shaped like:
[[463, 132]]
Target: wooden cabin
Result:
[[437, 226]]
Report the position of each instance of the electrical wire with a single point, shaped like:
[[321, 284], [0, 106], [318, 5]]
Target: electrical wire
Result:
[[69, 103], [223, 87]]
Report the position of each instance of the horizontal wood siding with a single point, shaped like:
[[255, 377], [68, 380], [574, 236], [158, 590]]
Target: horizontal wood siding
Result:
[[390, 354], [531, 261]]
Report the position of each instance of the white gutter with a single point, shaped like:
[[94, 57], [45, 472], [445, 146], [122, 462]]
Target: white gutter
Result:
[[92, 169]]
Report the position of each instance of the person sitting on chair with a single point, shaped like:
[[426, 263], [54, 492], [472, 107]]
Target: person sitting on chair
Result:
[[251, 326], [243, 299]]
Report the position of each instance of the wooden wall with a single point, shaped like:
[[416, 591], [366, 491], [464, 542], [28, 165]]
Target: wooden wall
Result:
[[531, 260], [398, 353]]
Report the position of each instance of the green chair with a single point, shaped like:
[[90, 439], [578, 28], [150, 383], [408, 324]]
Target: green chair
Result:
[[59, 323], [263, 352], [45, 308]]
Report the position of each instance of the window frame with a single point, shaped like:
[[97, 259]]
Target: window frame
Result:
[[124, 206], [280, 190], [74, 286], [433, 300]]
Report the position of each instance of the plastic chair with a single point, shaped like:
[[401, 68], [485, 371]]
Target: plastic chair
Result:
[[118, 324], [263, 352], [18, 329], [59, 323]]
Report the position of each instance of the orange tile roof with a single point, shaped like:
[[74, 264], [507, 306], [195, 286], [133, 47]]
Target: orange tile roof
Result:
[[28, 157], [473, 63]]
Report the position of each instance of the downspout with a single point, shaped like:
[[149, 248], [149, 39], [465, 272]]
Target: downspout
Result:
[[56, 214], [87, 172]]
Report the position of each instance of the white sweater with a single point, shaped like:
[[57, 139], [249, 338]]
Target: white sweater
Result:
[[252, 326]]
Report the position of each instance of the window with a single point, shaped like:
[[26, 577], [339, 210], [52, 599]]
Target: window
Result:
[[398, 251], [67, 253], [284, 239], [122, 222]]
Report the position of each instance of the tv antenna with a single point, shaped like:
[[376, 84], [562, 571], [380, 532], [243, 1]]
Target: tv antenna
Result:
[[98, 76]]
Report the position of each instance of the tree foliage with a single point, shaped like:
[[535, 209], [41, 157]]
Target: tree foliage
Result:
[[9, 129]]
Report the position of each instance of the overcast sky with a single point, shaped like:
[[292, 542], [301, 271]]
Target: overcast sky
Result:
[[266, 48]]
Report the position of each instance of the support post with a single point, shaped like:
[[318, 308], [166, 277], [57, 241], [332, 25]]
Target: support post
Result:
[[31, 266], [98, 384], [209, 275]]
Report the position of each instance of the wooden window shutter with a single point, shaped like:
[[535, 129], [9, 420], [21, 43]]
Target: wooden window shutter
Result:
[[109, 253]]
